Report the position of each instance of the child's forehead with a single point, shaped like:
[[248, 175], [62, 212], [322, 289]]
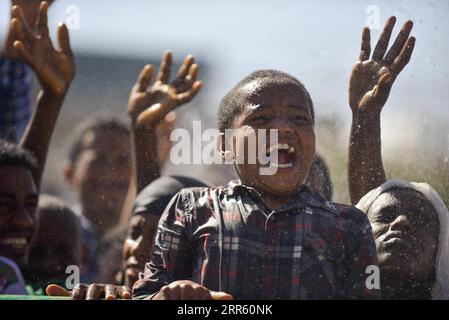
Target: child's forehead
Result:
[[274, 91]]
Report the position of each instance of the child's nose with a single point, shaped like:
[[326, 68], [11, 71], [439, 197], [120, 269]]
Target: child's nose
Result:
[[284, 126]]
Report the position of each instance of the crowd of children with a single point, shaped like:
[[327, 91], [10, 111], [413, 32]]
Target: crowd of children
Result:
[[275, 236]]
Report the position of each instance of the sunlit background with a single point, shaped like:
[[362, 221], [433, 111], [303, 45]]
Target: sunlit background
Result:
[[316, 41]]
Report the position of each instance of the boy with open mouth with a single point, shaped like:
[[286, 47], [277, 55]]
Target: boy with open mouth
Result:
[[264, 236]]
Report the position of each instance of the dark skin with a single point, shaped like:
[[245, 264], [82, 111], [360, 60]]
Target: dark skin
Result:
[[407, 267], [316, 179], [284, 107], [268, 105], [19, 196], [150, 109], [136, 252], [55, 70], [405, 228], [31, 13], [138, 245], [57, 246], [101, 177], [369, 88], [18, 220]]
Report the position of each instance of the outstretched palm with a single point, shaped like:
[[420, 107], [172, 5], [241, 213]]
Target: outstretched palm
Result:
[[149, 104], [371, 79], [54, 68]]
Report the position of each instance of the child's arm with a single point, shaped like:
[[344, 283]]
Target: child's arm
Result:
[[149, 105], [369, 87], [55, 70]]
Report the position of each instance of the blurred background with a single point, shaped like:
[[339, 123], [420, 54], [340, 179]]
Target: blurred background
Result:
[[316, 41]]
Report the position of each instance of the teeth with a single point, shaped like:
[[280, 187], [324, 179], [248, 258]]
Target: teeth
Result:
[[281, 146], [281, 165], [14, 241]]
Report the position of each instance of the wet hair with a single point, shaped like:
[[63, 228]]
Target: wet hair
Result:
[[319, 166], [104, 123], [12, 154], [231, 105], [53, 208], [156, 196]]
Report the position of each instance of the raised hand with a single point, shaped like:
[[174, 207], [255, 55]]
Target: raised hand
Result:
[[54, 68], [371, 79], [30, 9], [148, 105]]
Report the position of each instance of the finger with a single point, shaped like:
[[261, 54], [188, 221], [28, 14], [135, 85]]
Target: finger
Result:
[[164, 68], [221, 295], [384, 39], [23, 53], [125, 293], [55, 290], [79, 292], [17, 28], [185, 292], [399, 43], [64, 40], [95, 292], [17, 12], [151, 116], [42, 19], [382, 89], [110, 292], [366, 46], [169, 294], [404, 57], [190, 94], [183, 70], [192, 76], [201, 293], [143, 81]]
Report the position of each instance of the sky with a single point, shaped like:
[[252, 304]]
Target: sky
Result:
[[316, 41]]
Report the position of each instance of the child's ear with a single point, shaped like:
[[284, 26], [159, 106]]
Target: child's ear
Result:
[[221, 143], [68, 174], [224, 148]]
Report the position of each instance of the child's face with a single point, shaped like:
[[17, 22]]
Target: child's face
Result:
[[101, 176], [405, 229], [138, 245], [56, 247], [285, 108], [18, 221]]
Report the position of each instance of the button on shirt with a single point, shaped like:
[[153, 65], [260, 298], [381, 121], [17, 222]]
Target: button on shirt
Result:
[[227, 239]]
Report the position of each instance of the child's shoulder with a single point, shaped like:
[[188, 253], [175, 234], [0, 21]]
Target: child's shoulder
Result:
[[198, 196], [346, 216], [351, 219]]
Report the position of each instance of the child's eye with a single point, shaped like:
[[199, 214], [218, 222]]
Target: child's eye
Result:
[[259, 119], [301, 119], [385, 217], [134, 233], [31, 206], [7, 206]]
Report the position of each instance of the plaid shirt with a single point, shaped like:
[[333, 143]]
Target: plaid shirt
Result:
[[15, 100], [227, 240]]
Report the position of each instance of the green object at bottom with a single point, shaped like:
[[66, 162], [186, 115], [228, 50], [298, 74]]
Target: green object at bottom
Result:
[[29, 297]]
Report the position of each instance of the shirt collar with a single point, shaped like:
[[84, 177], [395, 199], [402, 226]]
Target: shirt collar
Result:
[[305, 197]]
